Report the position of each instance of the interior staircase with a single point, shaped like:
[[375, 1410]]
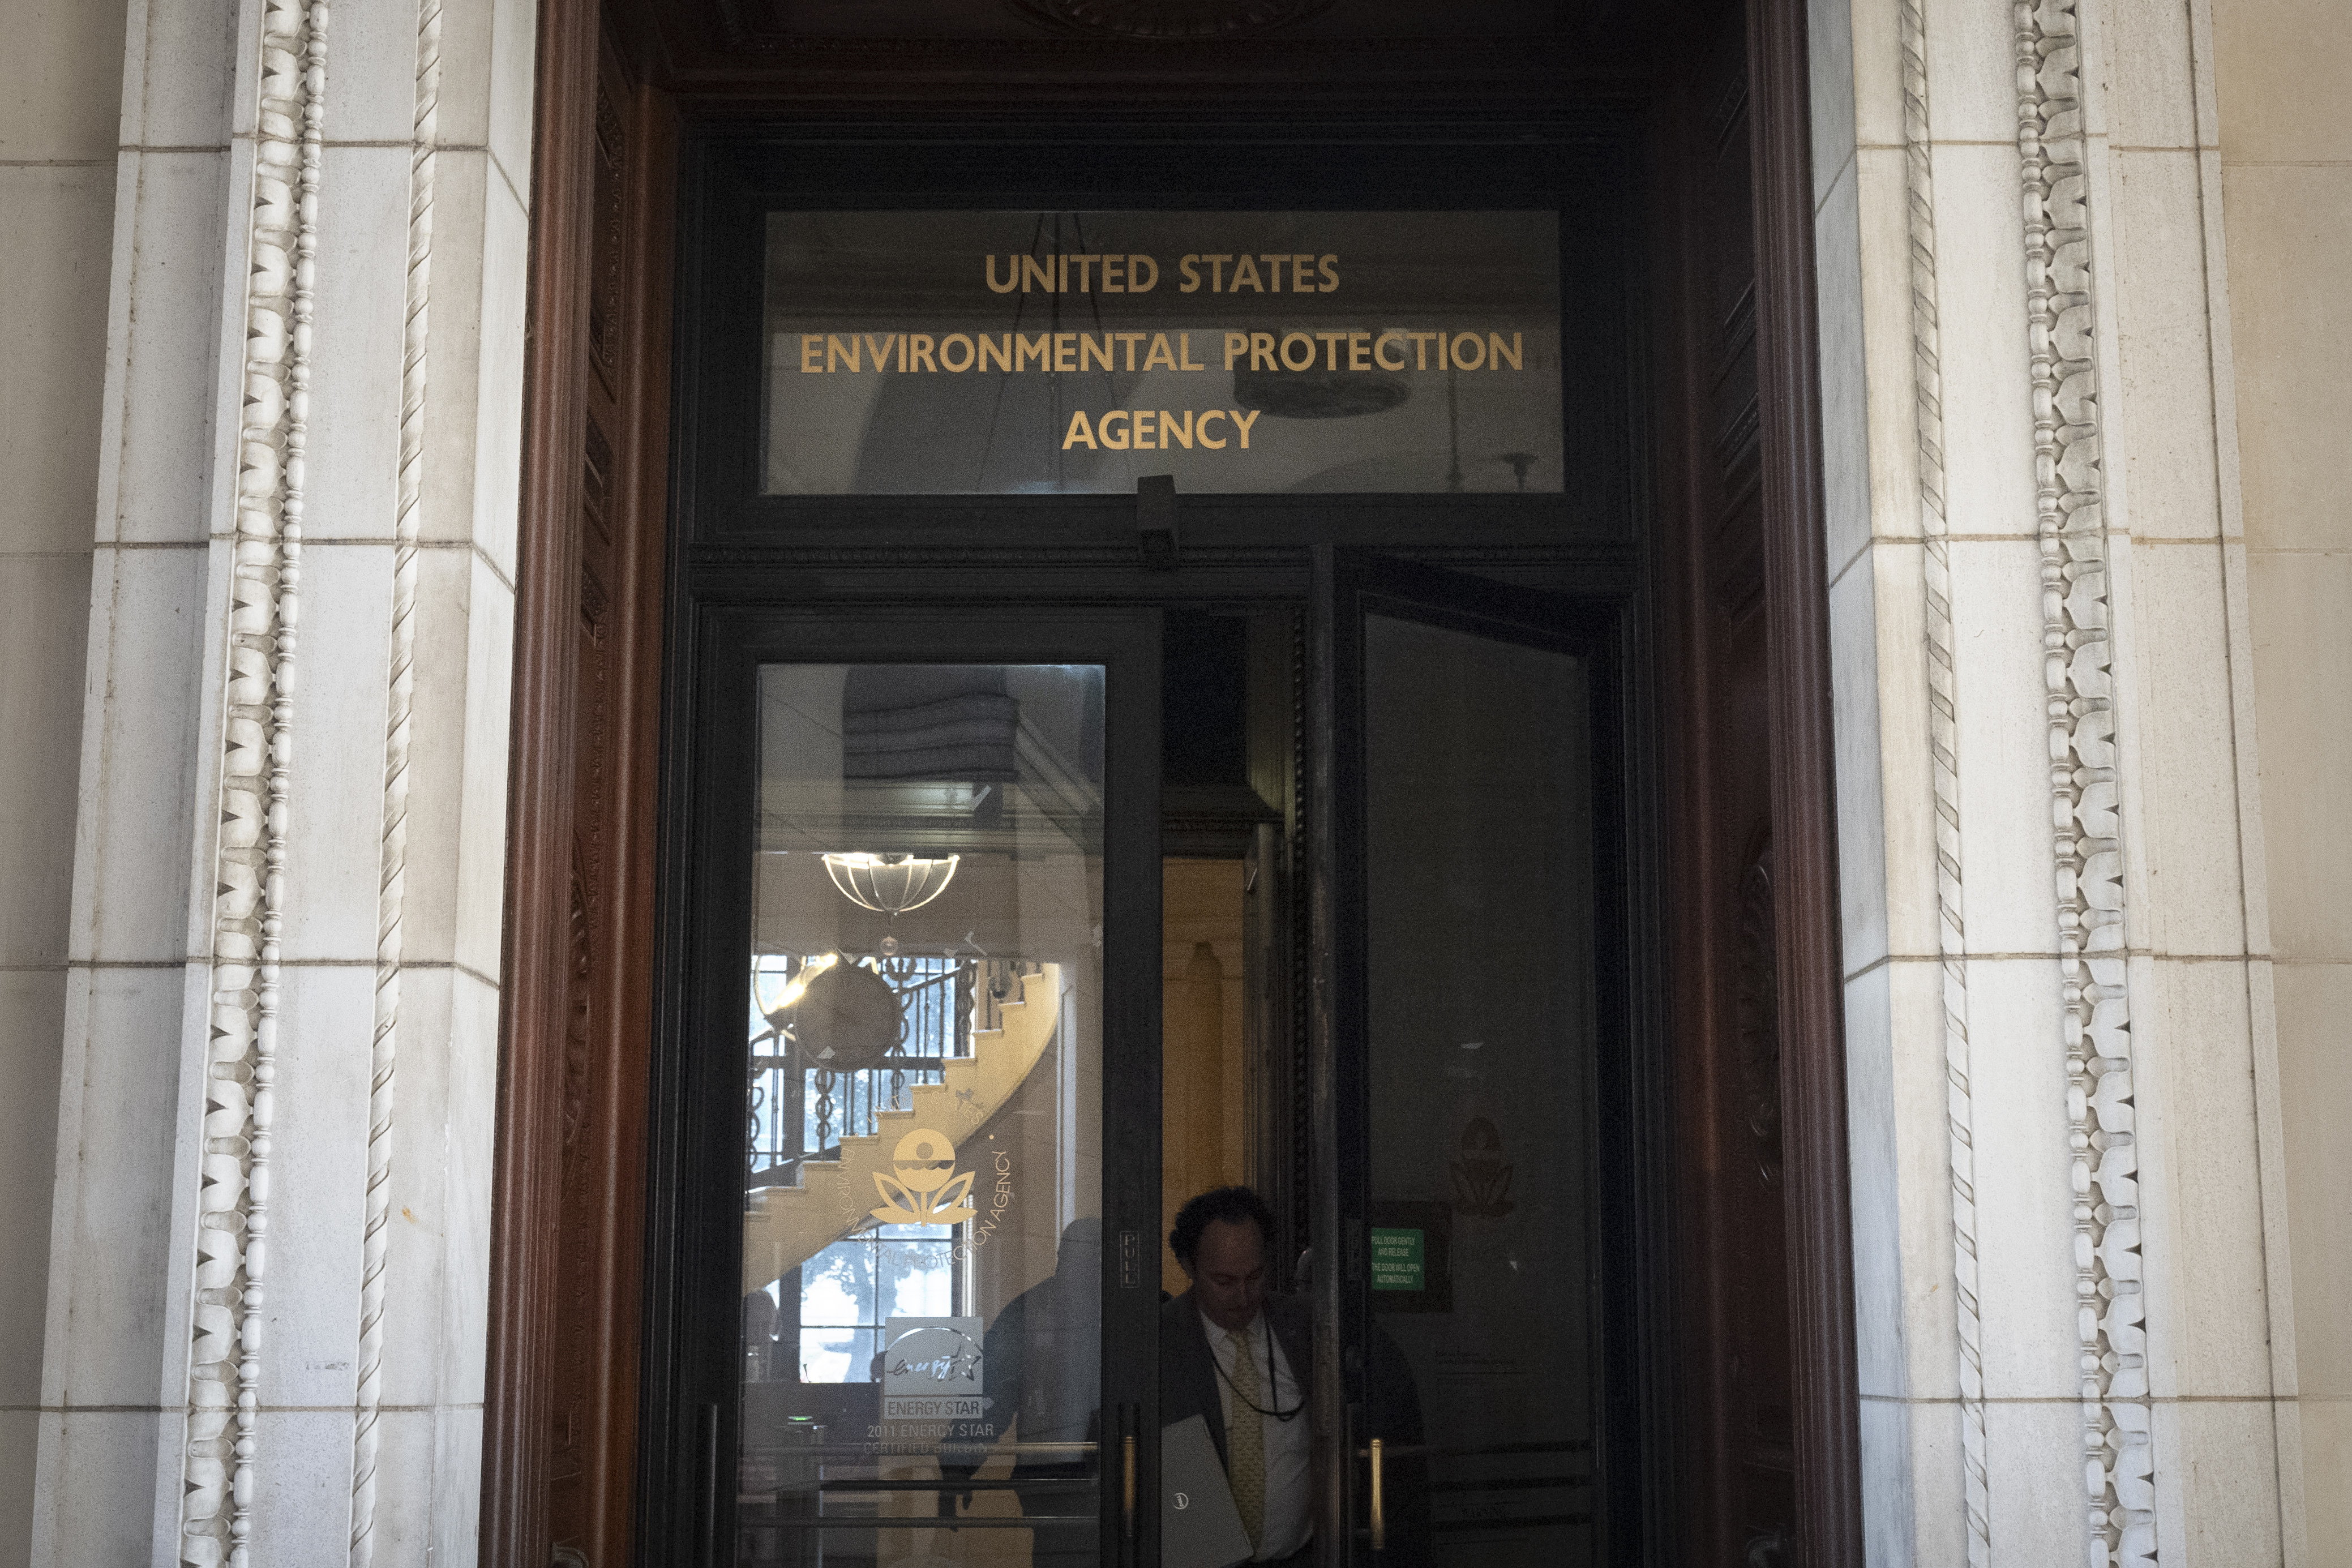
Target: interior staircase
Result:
[[785, 1226]]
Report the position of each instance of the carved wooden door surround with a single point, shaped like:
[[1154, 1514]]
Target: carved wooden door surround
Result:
[[1737, 548]]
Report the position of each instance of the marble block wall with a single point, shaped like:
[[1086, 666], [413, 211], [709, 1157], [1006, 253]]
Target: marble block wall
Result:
[[267, 1270], [58, 114], [2071, 1212], [2284, 156]]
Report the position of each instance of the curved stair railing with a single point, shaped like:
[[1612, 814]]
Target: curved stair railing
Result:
[[784, 1226]]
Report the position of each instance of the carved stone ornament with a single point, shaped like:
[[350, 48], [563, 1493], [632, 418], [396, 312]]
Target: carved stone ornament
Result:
[[1167, 21], [1944, 772], [229, 1307], [399, 701], [2070, 528]]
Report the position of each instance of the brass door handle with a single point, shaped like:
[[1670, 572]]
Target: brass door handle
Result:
[[1380, 1508], [1127, 1469]]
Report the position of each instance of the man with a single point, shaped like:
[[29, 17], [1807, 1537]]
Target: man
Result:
[[1237, 1354]]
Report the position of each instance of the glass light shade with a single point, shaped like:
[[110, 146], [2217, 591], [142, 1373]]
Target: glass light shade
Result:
[[890, 884]]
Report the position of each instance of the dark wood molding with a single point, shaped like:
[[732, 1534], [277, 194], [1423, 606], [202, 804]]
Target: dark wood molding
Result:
[[536, 952], [1333, 882], [596, 1325], [560, 1404], [1683, 638], [1804, 802]]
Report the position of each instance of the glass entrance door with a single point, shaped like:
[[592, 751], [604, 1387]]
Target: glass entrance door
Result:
[[922, 1227], [917, 1235], [1463, 888], [910, 1332], [929, 962]]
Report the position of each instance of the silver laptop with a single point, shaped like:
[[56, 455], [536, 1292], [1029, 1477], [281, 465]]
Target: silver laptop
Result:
[[1199, 1525]]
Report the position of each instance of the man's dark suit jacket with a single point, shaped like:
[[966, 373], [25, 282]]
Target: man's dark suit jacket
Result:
[[1188, 1387], [1188, 1370]]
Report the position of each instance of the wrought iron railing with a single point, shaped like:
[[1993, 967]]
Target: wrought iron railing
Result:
[[799, 1111]]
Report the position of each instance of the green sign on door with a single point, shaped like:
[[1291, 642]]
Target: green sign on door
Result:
[[1399, 1261]]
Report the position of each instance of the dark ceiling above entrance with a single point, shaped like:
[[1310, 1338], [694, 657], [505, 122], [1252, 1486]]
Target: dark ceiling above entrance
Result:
[[832, 50], [747, 21]]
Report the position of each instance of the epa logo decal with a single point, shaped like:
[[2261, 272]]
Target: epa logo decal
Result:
[[928, 1190]]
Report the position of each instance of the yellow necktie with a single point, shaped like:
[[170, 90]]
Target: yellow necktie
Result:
[[1246, 1440]]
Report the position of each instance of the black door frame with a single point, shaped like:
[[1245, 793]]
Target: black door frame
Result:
[[692, 1365], [1633, 1442], [753, 572]]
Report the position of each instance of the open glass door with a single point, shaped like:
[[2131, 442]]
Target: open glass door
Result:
[[1460, 881], [911, 1328]]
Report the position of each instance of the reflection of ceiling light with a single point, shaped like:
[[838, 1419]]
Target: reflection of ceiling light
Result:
[[1319, 393], [890, 884]]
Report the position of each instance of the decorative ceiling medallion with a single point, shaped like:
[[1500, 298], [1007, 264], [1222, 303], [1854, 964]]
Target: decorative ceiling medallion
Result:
[[1163, 21]]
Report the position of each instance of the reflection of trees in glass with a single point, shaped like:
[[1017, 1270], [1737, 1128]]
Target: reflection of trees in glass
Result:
[[851, 1290]]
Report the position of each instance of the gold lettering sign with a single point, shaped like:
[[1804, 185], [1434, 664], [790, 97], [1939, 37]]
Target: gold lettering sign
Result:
[[1073, 353]]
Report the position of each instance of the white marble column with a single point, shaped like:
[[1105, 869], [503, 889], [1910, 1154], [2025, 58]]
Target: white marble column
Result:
[[2064, 1112], [265, 1323]]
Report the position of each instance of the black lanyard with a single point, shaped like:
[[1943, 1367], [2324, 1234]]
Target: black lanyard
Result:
[[1273, 1379]]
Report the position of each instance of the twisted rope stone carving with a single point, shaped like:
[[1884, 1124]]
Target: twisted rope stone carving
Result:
[[256, 736], [2070, 524], [1944, 768], [391, 882]]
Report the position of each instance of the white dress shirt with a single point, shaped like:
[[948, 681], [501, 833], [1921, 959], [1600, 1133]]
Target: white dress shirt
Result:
[[1289, 1522]]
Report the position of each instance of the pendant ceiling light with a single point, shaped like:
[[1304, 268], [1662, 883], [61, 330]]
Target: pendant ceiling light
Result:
[[890, 884], [1319, 393]]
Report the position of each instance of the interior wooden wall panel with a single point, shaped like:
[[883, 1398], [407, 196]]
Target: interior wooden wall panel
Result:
[[1204, 1140]]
